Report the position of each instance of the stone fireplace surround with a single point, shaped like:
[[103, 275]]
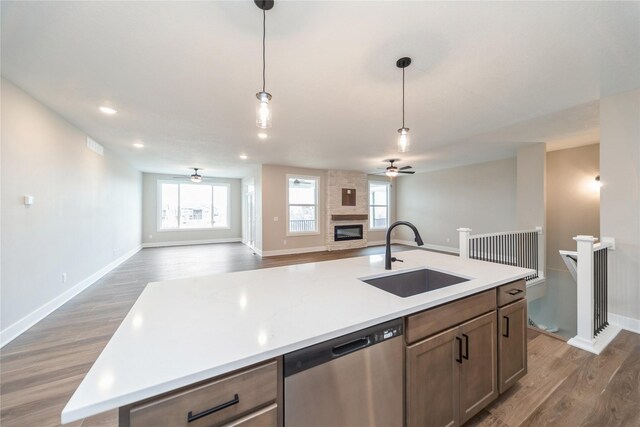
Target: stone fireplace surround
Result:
[[336, 181]]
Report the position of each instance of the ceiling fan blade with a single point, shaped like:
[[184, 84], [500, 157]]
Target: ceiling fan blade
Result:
[[409, 172], [404, 168]]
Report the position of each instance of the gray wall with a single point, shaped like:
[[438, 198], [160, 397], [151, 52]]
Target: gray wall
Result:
[[274, 205], [86, 213], [150, 233], [481, 197], [573, 199], [620, 200]]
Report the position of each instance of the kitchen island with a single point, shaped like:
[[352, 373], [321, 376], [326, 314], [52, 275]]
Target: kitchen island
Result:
[[181, 332]]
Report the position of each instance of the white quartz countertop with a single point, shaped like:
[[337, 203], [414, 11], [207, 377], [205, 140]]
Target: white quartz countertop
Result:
[[183, 331]]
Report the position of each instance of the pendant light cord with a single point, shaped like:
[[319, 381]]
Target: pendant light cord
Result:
[[403, 98], [264, 35]]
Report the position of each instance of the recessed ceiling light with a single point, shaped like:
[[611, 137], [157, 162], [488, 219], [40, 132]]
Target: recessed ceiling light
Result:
[[262, 135], [108, 110], [138, 144], [243, 156]]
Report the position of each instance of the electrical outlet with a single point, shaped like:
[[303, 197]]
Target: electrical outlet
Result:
[[64, 277], [448, 239], [150, 236], [275, 219], [285, 241]]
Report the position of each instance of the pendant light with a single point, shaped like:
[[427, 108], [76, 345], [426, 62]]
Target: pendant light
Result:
[[403, 139], [263, 112]]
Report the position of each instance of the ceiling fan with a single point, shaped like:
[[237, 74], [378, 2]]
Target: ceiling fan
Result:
[[194, 177], [393, 170]]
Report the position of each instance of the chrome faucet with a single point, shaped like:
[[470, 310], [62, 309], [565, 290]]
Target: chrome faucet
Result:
[[388, 259]]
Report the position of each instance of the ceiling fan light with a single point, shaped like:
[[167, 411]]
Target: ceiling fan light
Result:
[[404, 141], [263, 112], [392, 172], [196, 178]]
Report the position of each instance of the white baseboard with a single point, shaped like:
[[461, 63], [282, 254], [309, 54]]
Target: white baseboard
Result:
[[190, 242], [431, 246], [11, 332], [624, 322], [294, 251], [597, 344]]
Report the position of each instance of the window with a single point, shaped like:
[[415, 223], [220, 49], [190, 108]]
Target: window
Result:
[[378, 205], [302, 198], [193, 206]]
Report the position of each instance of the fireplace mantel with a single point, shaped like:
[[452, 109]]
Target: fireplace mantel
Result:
[[350, 217]]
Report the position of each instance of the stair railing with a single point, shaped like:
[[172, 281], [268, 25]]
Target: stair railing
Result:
[[521, 248]]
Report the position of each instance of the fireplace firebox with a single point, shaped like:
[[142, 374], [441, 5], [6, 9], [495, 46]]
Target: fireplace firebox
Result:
[[347, 232]]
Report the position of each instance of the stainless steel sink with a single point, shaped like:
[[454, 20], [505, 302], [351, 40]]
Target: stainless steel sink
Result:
[[414, 282]]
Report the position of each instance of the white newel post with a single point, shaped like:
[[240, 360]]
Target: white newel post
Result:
[[541, 253], [464, 242], [584, 339]]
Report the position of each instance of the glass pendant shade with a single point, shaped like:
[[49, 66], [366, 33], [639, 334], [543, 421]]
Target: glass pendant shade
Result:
[[404, 141], [391, 173], [263, 112], [196, 178]]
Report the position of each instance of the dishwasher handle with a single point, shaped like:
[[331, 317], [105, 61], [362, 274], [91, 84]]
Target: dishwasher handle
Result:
[[332, 349], [351, 346]]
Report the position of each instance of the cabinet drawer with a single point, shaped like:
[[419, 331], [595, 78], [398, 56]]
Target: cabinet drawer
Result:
[[432, 321], [213, 403], [511, 292], [267, 417]]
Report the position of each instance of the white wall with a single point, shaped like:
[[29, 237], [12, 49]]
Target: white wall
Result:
[[379, 236], [86, 213], [531, 196], [152, 237], [531, 204], [481, 197], [620, 202], [255, 178]]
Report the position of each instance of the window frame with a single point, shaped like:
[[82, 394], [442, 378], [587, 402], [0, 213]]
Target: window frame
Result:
[[317, 205], [386, 206], [159, 184]]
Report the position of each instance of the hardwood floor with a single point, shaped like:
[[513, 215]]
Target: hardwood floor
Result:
[[40, 370], [566, 386]]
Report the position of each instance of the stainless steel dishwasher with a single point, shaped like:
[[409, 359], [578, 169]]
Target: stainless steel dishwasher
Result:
[[351, 381]]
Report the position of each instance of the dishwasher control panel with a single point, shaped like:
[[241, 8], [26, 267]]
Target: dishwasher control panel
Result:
[[385, 334]]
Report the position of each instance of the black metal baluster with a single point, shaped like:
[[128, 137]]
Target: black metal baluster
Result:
[[606, 288], [536, 255], [596, 279]]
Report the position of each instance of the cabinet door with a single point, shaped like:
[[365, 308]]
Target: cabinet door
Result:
[[432, 381], [512, 344], [478, 376]]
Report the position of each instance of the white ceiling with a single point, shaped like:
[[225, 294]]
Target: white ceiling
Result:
[[485, 78]]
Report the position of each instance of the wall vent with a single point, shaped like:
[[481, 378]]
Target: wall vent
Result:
[[95, 147]]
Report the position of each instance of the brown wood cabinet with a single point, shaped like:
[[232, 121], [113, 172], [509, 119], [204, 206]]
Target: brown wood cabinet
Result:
[[248, 397], [452, 376], [512, 343], [478, 376], [433, 381]]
